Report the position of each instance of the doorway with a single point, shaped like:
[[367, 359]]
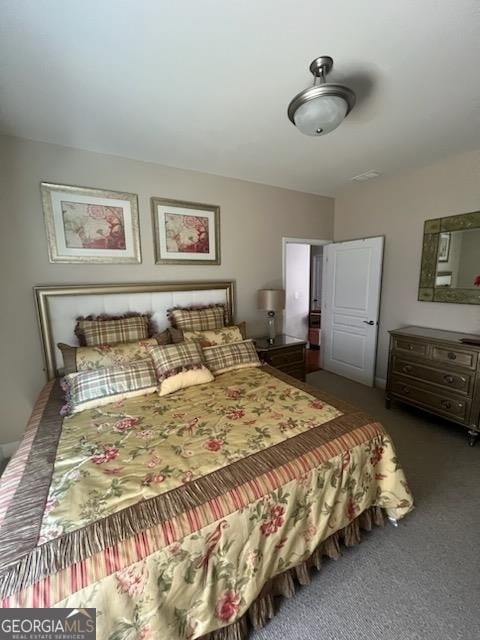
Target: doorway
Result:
[[332, 301], [302, 278]]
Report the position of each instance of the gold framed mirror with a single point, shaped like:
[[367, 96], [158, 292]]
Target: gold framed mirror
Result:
[[450, 269]]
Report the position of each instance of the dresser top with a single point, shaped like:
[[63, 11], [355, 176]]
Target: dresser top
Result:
[[435, 334]]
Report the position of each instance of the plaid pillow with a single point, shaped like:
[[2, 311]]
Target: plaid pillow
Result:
[[91, 333], [226, 357], [178, 366], [108, 355], [89, 389], [198, 319]]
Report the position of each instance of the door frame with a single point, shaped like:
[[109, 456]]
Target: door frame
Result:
[[310, 241]]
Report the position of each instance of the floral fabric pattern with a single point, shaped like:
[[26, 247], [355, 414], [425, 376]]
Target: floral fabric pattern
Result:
[[112, 456], [226, 335], [110, 355], [208, 579], [261, 472]]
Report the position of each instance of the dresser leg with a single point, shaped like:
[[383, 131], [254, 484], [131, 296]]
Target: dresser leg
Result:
[[472, 437]]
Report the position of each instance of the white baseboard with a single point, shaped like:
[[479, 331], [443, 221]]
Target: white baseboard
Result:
[[381, 383], [8, 449]]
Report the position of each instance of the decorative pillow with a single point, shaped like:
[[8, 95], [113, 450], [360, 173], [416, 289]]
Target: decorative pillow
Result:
[[226, 357], [108, 355], [178, 366], [90, 389], [213, 336], [93, 331], [198, 318]]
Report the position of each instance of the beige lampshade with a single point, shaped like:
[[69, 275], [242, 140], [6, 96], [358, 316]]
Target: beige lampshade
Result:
[[271, 299]]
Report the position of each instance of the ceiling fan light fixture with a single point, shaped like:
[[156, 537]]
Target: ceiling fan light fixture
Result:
[[321, 108]]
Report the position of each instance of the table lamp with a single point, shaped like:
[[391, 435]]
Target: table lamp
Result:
[[271, 300]]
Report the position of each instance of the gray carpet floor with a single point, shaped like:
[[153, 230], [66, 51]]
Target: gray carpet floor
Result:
[[420, 580]]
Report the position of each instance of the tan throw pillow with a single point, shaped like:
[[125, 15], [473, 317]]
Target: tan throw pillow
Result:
[[92, 332], [108, 355], [214, 337], [178, 366], [90, 389], [227, 357], [198, 319], [177, 335]]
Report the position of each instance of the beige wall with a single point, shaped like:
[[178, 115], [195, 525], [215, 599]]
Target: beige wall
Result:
[[254, 218], [397, 207]]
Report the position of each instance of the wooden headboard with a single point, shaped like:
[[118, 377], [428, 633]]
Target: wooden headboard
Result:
[[59, 306]]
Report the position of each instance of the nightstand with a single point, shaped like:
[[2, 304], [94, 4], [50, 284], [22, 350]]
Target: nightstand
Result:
[[286, 354]]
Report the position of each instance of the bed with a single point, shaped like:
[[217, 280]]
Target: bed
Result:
[[184, 516]]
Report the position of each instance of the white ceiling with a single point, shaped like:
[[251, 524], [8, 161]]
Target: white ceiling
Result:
[[205, 84]]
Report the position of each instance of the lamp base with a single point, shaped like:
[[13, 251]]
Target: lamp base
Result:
[[271, 331]]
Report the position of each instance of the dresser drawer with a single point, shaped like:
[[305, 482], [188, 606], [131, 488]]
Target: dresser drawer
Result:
[[403, 345], [460, 382], [457, 357], [431, 398], [285, 357]]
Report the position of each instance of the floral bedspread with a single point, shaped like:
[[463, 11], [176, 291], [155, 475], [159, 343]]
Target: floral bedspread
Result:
[[170, 514], [112, 457]]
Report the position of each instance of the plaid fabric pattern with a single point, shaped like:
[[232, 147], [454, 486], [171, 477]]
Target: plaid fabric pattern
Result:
[[96, 332], [173, 358], [86, 386], [198, 319], [226, 357]]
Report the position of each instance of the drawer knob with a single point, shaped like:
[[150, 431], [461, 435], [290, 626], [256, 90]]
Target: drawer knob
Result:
[[451, 355], [405, 389], [449, 379], [446, 404], [410, 347], [407, 368]]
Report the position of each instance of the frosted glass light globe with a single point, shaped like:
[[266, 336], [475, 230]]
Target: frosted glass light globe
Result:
[[320, 115]]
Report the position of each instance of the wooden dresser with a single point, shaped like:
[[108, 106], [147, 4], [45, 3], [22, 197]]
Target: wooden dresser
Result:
[[433, 370]]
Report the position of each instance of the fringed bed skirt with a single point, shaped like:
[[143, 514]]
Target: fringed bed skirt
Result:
[[262, 609]]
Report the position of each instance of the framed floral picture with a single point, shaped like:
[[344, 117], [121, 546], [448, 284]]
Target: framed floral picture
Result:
[[186, 232], [90, 225]]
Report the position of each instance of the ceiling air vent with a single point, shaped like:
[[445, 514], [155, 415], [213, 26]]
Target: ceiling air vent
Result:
[[367, 175]]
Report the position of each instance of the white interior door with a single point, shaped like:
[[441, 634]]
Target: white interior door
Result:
[[350, 307]]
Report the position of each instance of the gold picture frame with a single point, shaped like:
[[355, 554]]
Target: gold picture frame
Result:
[[182, 230], [89, 225]]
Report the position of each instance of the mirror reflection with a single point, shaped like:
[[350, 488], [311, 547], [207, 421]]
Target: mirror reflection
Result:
[[458, 260]]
